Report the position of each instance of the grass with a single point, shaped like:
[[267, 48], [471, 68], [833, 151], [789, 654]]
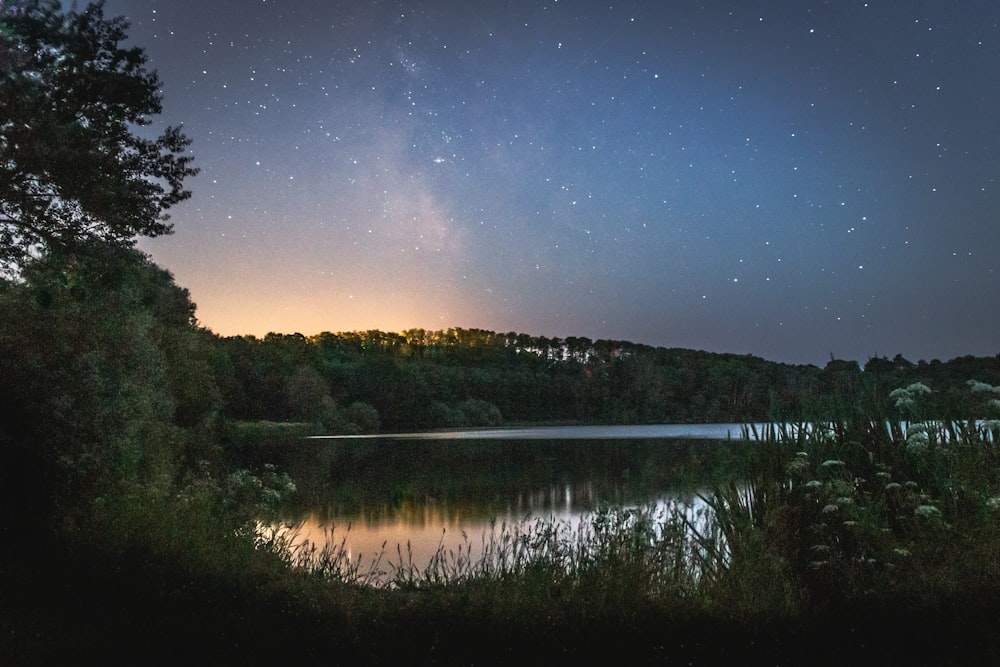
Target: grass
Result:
[[870, 534], [848, 541], [79, 601], [648, 547]]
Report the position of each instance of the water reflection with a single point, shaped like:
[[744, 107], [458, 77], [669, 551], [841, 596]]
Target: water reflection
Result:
[[409, 500], [386, 545], [723, 431]]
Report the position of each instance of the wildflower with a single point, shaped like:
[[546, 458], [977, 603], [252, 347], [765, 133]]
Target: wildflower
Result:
[[797, 466], [904, 402], [978, 387], [892, 486], [814, 484], [829, 509], [927, 511], [840, 487], [831, 463], [906, 398]]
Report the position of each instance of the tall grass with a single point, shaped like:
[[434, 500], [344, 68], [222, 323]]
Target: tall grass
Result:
[[821, 515], [646, 550], [865, 508], [863, 513], [864, 518]]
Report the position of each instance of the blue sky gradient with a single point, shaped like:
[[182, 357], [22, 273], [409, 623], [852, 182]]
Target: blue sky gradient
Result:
[[793, 180]]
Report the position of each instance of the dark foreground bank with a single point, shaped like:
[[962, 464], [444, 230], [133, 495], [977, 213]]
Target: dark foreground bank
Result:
[[65, 603]]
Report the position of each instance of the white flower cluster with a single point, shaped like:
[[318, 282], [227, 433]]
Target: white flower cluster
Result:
[[978, 387], [906, 398], [918, 438]]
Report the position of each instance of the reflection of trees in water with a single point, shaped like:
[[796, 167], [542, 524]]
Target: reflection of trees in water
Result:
[[382, 480], [431, 543], [431, 509]]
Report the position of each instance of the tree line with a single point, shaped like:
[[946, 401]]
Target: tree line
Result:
[[108, 383], [374, 380]]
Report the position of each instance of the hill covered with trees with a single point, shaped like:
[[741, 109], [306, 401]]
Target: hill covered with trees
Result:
[[135, 525], [380, 381]]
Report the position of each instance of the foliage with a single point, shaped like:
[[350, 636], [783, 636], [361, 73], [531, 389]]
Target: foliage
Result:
[[613, 554], [865, 509], [106, 377], [111, 394], [73, 167], [832, 529], [470, 377], [837, 534]]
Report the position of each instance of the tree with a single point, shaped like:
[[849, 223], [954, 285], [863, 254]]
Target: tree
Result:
[[75, 165], [106, 378]]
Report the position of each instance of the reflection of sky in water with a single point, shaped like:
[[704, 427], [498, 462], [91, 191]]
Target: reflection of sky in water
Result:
[[589, 432], [411, 536], [403, 500], [556, 500]]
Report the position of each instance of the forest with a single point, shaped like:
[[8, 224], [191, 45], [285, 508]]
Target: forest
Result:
[[377, 381], [110, 380], [127, 451], [137, 503]]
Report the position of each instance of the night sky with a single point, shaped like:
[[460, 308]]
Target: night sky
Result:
[[793, 180]]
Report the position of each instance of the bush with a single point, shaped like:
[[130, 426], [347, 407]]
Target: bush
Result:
[[480, 413], [363, 416], [106, 381], [863, 509]]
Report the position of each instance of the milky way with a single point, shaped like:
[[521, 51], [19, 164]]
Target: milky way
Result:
[[793, 180]]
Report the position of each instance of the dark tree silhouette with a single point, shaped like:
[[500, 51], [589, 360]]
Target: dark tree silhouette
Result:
[[75, 164]]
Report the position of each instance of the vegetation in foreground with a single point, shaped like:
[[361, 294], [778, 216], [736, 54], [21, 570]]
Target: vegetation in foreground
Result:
[[132, 527], [374, 381], [848, 540]]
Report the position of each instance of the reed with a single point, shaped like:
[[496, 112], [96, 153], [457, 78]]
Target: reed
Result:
[[828, 530], [821, 514], [860, 509]]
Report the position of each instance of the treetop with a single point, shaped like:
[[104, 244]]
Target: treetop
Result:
[[74, 165]]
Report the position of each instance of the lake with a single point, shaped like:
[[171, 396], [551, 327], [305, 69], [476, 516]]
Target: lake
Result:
[[409, 495], [576, 432]]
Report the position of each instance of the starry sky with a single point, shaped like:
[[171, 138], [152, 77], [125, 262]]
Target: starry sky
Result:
[[792, 179]]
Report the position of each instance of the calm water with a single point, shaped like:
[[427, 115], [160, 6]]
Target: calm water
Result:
[[650, 431], [413, 493]]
